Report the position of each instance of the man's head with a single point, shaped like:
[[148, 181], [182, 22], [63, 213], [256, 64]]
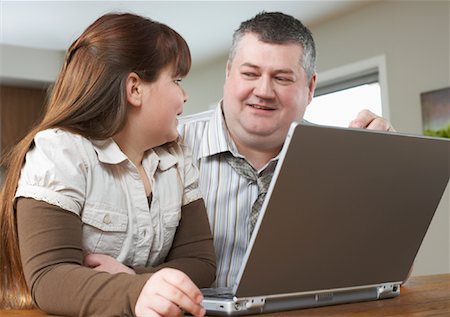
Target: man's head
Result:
[[270, 79], [279, 28]]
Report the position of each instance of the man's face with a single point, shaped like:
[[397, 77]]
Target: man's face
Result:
[[265, 90]]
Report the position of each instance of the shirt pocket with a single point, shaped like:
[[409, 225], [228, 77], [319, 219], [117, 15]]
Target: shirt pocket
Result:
[[170, 221], [104, 229]]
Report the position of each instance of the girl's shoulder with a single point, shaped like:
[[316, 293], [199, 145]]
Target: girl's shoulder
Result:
[[57, 135], [64, 143]]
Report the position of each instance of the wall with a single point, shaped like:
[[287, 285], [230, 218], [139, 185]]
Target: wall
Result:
[[29, 67], [204, 85], [414, 36]]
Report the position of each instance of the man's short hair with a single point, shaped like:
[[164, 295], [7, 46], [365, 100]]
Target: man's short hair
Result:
[[279, 28]]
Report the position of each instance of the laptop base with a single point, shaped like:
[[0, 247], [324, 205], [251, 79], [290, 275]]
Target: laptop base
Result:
[[260, 305]]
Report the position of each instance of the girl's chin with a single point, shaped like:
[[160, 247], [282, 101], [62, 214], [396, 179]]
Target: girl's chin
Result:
[[173, 137]]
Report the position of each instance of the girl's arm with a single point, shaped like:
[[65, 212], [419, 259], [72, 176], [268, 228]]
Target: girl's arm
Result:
[[52, 256], [192, 250]]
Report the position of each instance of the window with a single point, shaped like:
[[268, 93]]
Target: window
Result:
[[343, 92]]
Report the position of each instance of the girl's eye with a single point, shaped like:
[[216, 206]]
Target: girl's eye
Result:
[[177, 81]]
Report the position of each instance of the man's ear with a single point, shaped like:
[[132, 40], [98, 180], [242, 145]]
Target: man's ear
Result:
[[312, 87], [134, 89], [227, 69]]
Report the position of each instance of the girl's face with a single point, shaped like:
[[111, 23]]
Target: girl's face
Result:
[[162, 102]]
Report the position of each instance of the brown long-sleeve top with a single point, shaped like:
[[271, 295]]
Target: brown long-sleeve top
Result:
[[52, 257]]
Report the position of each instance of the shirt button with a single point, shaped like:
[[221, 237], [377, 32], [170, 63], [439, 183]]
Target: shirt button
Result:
[[107, 219]]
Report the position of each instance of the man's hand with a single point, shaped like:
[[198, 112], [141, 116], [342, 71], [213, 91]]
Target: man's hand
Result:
[[105, 263], [368, 120]]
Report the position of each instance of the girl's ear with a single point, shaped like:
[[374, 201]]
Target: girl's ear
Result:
[[134, 89]]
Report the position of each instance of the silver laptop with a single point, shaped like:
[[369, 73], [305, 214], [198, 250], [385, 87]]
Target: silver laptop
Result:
[[344, 217]]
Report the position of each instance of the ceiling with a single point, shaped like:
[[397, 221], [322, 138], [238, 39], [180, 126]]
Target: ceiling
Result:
[[207, 26]]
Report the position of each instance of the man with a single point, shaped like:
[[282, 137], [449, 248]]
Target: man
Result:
[[270, 79]]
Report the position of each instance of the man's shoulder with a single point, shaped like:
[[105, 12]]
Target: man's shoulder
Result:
[[196, 117], [193, 129], [195, 125]]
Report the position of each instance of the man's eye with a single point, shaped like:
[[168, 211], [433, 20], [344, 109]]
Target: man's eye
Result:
[[249, 75], [283, 79]]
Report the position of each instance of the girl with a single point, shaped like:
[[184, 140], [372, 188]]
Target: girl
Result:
[[103, 173]]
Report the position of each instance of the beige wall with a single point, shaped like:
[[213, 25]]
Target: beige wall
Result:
[[204, 85], [413, 36], [29, 67]]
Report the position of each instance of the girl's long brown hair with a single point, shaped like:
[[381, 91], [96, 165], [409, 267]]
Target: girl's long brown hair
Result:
[[89, 99]]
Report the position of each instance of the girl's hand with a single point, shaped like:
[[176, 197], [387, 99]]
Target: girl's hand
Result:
[[169, 292], [106, 263]]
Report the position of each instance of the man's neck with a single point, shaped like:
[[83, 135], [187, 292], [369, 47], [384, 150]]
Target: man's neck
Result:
[[257, 158]]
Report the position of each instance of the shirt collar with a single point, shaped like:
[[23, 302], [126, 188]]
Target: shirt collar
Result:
[[216, 138], [109, 152], [166, 159]]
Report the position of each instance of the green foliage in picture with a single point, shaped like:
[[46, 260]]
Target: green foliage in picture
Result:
[[440, 133], [436, 112]]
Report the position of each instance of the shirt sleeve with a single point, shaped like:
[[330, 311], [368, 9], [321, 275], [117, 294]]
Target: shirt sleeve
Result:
[[192, 250], [51, 253], [55, 170]]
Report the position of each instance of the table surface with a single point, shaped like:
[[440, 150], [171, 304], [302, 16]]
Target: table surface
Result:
[[419, 296]]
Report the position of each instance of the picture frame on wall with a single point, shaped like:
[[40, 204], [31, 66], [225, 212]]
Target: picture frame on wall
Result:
[[436, 112]]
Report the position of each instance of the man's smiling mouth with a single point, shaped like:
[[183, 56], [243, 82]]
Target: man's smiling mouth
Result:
[[261, 107]]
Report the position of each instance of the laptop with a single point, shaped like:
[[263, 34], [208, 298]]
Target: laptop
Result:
[[342, 222]]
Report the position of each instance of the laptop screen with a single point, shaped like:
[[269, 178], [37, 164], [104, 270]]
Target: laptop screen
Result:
[[345, 208]]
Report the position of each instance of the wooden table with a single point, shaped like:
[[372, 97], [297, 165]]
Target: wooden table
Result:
[[420, 296]]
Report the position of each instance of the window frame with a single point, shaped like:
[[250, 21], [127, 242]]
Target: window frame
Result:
[[350, 75]]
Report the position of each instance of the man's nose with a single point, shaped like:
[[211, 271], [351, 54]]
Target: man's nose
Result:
[[264, 88]]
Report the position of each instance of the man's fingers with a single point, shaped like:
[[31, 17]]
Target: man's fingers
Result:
[[369, 120], [380, 124], [363, 119]]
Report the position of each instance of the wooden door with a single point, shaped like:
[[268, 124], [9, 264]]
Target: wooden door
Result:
[[20, 109]]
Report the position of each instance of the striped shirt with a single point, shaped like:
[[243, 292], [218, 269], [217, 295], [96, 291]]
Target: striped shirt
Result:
[[228, 196]]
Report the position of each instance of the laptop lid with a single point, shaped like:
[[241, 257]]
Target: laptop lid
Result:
[[346, 208]]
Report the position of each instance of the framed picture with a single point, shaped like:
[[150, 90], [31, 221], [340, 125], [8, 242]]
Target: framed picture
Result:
[[436, 112]]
